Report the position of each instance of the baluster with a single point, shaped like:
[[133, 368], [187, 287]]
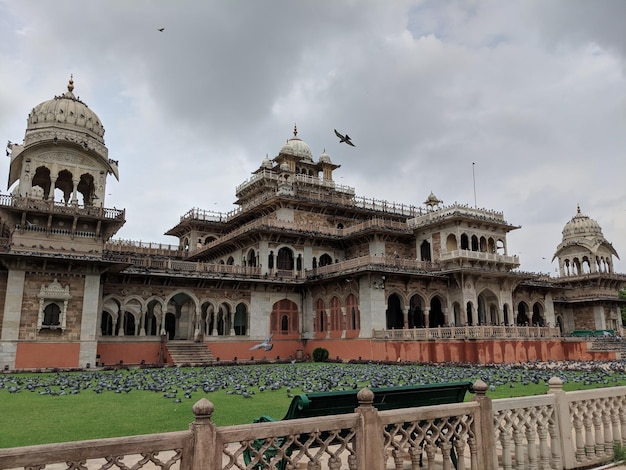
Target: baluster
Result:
[[518, 439], [597, 424], [459, 447], [532, 446], [555, 441], [622, 420], [397, 459], [473, 453], [352, 462], [617, 438], [334, 463], [580, 441], [430, 454], [544, 451], [507, 460], [608, 434], [415, 453], [589, 441], [445, 448]]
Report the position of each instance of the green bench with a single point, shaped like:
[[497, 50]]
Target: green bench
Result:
[[311, 405]]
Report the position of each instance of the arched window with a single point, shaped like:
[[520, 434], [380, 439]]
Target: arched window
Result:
[[129, 324], [284, 310], [451, 244], [353, 320], [320, 316], [336, 318], [285, 259], [241, 320], [270, 260], [425, 251], [230, 261], [51, 315], [325, 260], [106, 324], [464, 242], [251, 261], [474, 243]]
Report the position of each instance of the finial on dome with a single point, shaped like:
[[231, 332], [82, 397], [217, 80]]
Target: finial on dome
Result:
[[295, 130], [70, 85], [578, 208]]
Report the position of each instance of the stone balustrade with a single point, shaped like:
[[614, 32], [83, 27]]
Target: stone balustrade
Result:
[[558, 430], [468, 332]]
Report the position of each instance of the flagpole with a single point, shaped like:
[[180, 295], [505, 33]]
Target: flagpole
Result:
[[474, 179]]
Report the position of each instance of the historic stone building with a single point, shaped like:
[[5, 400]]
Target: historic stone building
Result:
[[301, 258]]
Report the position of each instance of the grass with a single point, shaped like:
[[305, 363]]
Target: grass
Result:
[[29, 417]]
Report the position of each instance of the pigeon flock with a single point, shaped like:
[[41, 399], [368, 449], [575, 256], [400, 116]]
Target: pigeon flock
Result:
[[179, 383]]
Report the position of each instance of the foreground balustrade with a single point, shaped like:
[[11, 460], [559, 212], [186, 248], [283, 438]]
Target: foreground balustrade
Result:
[[558, 430]]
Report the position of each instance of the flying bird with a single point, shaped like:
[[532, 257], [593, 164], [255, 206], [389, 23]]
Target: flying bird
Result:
[[161, 29], [265, 344], [344, 138]]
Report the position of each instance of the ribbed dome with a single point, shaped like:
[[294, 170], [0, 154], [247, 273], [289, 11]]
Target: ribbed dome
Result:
[[66, 112], [324, 157], [581, 226], [267, 163], [297, 147]]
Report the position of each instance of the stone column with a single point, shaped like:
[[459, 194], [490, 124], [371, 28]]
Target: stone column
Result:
[[11, 318], [74, 192], [426, 317], [89, 320], [142, 321], [405, 318]]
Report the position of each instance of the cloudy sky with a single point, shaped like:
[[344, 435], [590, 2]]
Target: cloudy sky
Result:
[[525, 98]]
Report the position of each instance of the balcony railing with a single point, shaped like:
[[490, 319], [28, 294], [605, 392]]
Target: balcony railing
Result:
[[468, 332], [30, 204]]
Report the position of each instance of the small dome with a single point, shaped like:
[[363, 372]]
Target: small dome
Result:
[[66, 112], [284, 166], [324, 157], [297, 147], [581, 226], [432, 200], [267, 163]]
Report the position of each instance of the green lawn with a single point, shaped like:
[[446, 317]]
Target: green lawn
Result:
[[69, 406]]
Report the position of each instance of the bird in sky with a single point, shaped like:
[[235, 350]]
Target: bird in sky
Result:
[[161, 29], [344, 138], [264, 345]]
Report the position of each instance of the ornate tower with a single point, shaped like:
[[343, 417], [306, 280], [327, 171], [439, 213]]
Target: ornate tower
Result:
[[589, 299], [584, 249], [53, 227]]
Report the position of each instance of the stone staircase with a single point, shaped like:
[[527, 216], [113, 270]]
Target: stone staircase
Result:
[[189, 352]]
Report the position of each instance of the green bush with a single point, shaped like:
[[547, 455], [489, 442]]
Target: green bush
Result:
[[320, 354]]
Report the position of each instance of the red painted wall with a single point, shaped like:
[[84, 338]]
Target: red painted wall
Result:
[[130, 353], [66, 355], [47, 355]]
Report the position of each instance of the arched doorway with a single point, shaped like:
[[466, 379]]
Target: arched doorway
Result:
[[394, 315], [436, 317]]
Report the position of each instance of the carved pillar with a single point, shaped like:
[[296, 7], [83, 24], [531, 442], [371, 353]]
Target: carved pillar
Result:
[[64, 315], [40, 314], [142, 322], [427, 317], [405, 318], [75, 192]]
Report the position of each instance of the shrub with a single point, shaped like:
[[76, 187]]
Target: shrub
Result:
[[320, 354]]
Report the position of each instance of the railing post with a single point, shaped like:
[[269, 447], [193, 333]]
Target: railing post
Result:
[[487, 445], [564, 422], [204, 437], [369, 443]]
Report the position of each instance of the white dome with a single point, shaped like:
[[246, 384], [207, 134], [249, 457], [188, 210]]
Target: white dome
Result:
[[324, 157], [66, 112], [581, 226], [297, 147]]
